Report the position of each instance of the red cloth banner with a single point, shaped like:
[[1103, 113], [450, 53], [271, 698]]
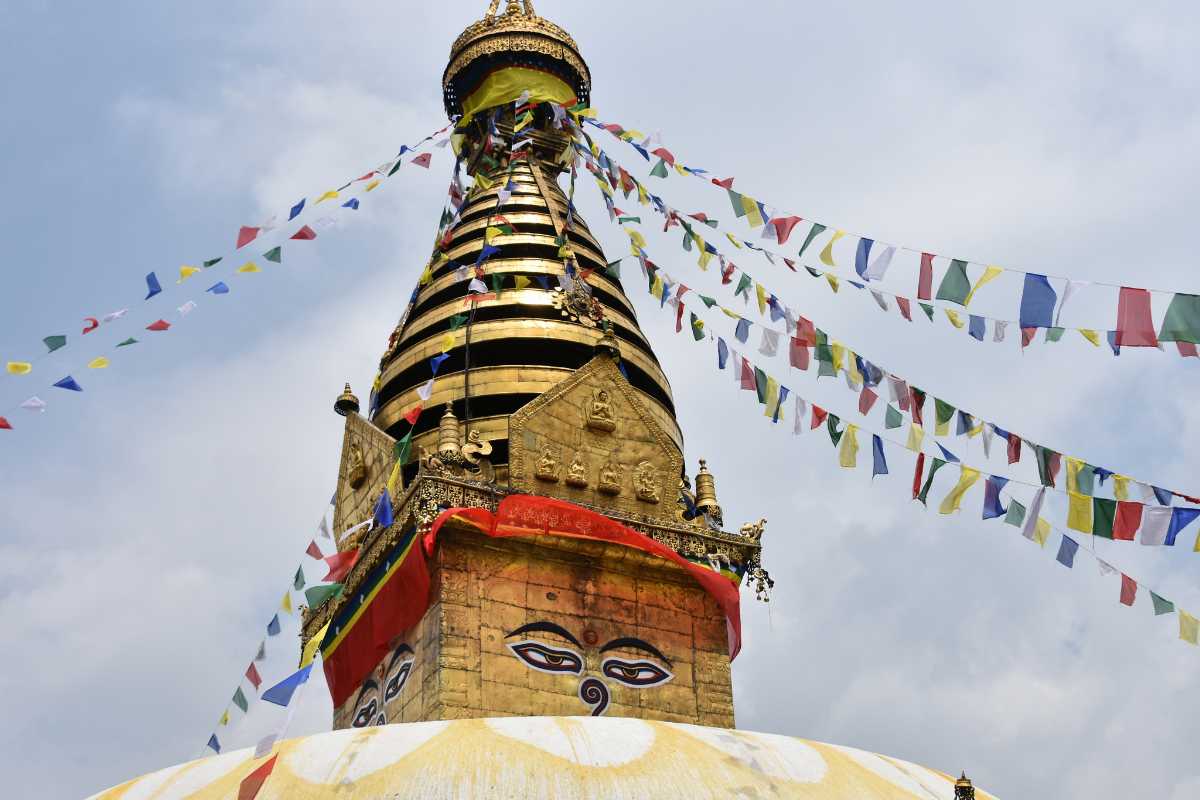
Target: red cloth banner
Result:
[[1135, 323]]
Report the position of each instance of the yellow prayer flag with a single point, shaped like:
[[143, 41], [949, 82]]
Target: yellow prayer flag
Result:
[[978, 429], [954, 318], [643, 197], [249, 267], [852, 369], [1079, 515], [330, 195], [393, 484], [98, 363], [753, 214], [705, 258], [373, 184], [447, 343], [1041, 532], [833, 282], [989, 275], [1121, 487], [286, 605], [656, 288], [524, 123], [224, 718], [1189, 627], [426, 276], [186, 272], [1091, 336], [731, 313], [483, 182], [953, 502], [1074, 466], [848, 450], [491, 233], [761, 294], [314, 644], [521, 281], [734, 240], [19, 368], [827, 253], [772, 404], [637, 238], [941, 427], [916, 435], [839, 355]]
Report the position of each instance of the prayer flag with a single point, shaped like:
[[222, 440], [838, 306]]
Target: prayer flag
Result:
[[152, 285], [127, 342], [916, 482], [213, 744], [330, 195], [274, 255], [879, 267], [1079, 515], [862, 257], [351, 204], [924, 495], [250, 786], [262, 651], [1129, 589], [1135, 326], [1156, 521], [991, 497], [383, 511], [893, 419], [248, 268], [1162, 605], [253, 676], [69, 384], [1104, 513], [34, 404], [423, 160], [925, 279], [281, 693], [1067, 551], [98, 363], [314, 551], [866, 401], [879, 460], [953, 502], [1189, 627], [298, 581], [218, 288], [1180, 519], [976, 327], [1037, 302], [305, 234], [783, 227], [1128, 520], [19, 368], [340, 565], [848, 451], [827, 253], [246, 235], [159, 327], [273, 626], [1182, 323], [54, 343], [239, 700], [989, 275], [722, 353], [187, 272], [318, 596], [956, 286], [816, 230], [285, 605], [296, 209], [916, 435], [1015, 515], [1032, 515]]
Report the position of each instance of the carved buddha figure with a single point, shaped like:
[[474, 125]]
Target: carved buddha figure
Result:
[[610, 478], [577, 473], [547, 468], [356, 471], [600, 412], [645, 481]]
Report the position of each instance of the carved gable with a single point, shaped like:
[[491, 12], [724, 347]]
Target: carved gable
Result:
[[591, 441], [364, 469]]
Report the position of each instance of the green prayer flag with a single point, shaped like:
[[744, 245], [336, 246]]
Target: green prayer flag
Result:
[[1182, 323], [55, 342], [318, 596], [697, 328], [1103, 514], [614, 269], [212, 262], [1055, 334], [825, 370], [1085, 480], [275, 254], [396, 167], [736, 200], [760, 383], [1044, 458], [894, 419], [928, 309], [1162, 605], [744, 284], [943, 410], [824, 352], [457, 322], [813, 272], [955, 285], [298, 581], [708, 301], [816, 230], [239, 700], [128, 342], [623, 220], [831, 423], [660, 169], [1016, 514], [403, 448], [924, 495], [687, 241], [497, 283]]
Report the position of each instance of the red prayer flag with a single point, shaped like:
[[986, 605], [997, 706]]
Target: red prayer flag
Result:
[[340, 565], [4, 426], [1128, 590], [799, 354], [916, 405], [905, 308], [866, 401], [1014, 448], [664, 154], [314, 551], [364, 177], [727, 273], [1135, 325], [748, 382], [806, 331], [1027, 335], [158, 327], [423, 160], [252, 783], [305, 234], [701, 216], [92, 324], [415, 414], [791, 264], [925, 284], [917, 474], [253, 676], [1187, 350], [818, 417], [784, 227], [726, 184], [246, 235], [1128, 520], [678, 317]]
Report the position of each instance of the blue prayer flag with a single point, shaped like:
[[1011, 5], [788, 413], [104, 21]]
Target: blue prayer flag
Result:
[[977, 328], [383, 511], [487, 252], [950, 457], [218, 288], [1112, 342], [991, 497], [863, 257], [543, 281], [624, 372], [1180, 519], [436, 362], [1164, 497], [69, 384], [273, 626], [352, 203], [1067, 551], [214, 743], [880, 461], [1037, 302], [153, 285], [296, 209], [742, 334], [776, 309], [642, 150], [281, 693], [722, 353]]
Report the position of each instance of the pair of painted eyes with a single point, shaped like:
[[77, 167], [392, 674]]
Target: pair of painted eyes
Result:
[[542, 657], [371, 713], [366, 716]]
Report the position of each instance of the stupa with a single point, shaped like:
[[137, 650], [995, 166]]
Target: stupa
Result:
[[549, 606]]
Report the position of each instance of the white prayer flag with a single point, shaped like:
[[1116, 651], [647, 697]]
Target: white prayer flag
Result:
[[1001, 326], [801, 413], [1033, 514], [426, 391], [35, 404], [187, 308], [1156, 520], [880, 300], [477, 287], [879, 266], [114, 316], [770, 342]]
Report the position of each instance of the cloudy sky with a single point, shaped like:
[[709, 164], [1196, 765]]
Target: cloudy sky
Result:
[[152, 523]]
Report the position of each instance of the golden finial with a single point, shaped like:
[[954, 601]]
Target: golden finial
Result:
[[347, 403], [706, 489], [963, 789], [448, 436]]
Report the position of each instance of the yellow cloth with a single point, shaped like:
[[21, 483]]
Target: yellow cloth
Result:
[[483, 182], [833, 282], [772, 397], [187, 272], [314, 644], [249, 267], [508, 83], [705, 258], [761, 294], [1074, 467], [838, 350], [98, 363], [753, 215], [734, 240], [19, 367], [521, 281], [731, 314], [636, 237], [1079, 515], [989, 275], [643, 197], [848, 450], [827, 253], [1041, 533], [330, 195], [916, 435], [852, 369], [1091, 336], [954, 318], [953, 502], [1121, 487], [393, 484], [372, 185], [447, 342], [525, 121], [491, 233], [1189, 627], [941, 428], [286, 605], [224, 718], [657, 288]]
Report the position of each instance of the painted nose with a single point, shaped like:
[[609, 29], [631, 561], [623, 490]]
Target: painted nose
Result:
[[594, 693]]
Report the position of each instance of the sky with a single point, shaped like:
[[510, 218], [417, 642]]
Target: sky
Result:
[[152, 523]]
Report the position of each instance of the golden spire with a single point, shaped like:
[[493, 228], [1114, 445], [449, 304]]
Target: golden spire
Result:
[[514, 7], [347, 403]]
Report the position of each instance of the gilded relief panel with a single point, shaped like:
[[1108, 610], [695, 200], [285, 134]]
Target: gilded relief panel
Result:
[[364, 469]]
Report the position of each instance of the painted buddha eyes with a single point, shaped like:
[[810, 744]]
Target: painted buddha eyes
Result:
[[366, 715], [636, 674], [396, 680], [544, 658]]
